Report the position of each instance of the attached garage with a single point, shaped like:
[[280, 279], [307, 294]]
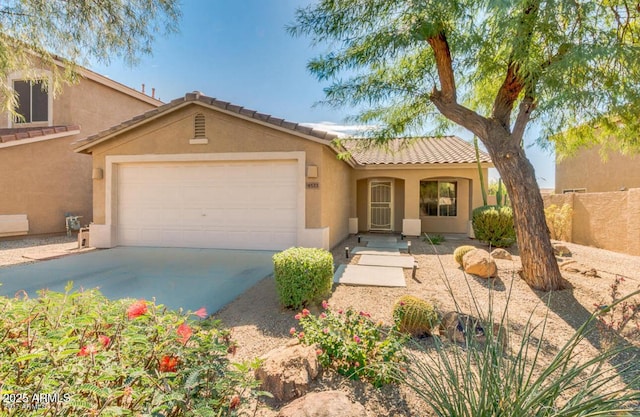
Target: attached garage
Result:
[[202, 173], [221, 204]]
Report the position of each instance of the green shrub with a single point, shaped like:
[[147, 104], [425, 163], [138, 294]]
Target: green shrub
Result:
[[414, 316], [494, 225], [352, 344], [434, 239], [303, 275], [94, 356], [460, 251], [559, 221]]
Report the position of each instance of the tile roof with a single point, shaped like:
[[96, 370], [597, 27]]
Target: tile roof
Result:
[[12, 134], [196, 97], [429, 150]]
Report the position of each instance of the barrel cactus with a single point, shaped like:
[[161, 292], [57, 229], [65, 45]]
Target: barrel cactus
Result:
[[414, 316], [460, 251]]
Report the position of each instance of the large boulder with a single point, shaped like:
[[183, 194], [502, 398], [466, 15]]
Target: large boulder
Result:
[[501, 254], [478, 262], [287, 371], [323, 404]]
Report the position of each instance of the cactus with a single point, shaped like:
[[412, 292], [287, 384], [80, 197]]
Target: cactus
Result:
[[460, 251], [414, 316]]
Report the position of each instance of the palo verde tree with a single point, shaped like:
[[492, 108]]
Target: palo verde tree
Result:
[[55, 35], [491, 67]]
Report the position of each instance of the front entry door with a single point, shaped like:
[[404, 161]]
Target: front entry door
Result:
[[380, 205]]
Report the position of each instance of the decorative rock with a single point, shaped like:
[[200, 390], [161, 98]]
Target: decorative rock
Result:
[[501, 254], [287, 371], [478, 262], [457, 327], [591, 272], [560, 250], [323, 404]]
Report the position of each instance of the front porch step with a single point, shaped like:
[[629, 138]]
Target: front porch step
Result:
[[360, 250], [378, 276], [387, 245], [378, 238], [403, 261]]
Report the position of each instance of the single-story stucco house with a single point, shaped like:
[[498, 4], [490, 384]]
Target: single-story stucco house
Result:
[[199, 172]]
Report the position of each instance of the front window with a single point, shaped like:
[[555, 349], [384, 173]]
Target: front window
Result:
[[438, 198], [33, 101]]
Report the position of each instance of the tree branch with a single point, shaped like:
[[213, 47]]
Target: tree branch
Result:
[[507, 96], [444, 64], [524, 115], [461, 115]]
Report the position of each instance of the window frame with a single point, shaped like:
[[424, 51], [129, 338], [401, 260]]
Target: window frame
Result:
[[425, 212], [37, 76]]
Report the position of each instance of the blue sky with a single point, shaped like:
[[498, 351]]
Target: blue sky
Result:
[[239, 51]]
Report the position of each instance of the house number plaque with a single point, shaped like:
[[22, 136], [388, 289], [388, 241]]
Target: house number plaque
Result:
[[313, 185]]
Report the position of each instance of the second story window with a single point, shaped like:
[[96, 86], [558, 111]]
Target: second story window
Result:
[[33, 101]]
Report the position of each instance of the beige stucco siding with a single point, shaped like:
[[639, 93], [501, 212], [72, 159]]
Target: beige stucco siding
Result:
[[226, 133], [335, 196], [587, 170], [407, 194], [47, 179]]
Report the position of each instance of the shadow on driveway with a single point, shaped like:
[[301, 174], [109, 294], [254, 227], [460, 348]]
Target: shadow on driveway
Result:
[[175, 277]]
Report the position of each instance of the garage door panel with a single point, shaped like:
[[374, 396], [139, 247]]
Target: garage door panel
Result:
[[235, 205]]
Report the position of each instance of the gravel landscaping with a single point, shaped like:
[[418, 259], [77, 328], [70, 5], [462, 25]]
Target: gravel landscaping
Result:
[[259, 324]]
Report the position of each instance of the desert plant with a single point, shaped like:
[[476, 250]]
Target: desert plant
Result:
[[485, 379], [494, 225], [460, 251], [559, 221], [352, 344], [434, 239], [414, 316], [480, 174], [618, 319], [303, 275], [80, 354]]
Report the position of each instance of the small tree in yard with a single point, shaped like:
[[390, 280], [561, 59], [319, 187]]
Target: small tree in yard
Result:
[[491, 67], [56, 35]]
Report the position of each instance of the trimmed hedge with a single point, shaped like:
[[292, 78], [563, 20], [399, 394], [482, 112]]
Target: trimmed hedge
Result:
[[303, 275], [494, 225]]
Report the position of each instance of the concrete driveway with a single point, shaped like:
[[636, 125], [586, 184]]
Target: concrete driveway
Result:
[[187, 278]]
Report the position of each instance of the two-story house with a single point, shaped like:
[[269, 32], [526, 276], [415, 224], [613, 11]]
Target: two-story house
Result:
[[41, 179]]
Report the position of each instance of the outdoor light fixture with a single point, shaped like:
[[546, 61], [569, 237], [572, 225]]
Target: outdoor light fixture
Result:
[[346, 251], [413, 273], [359, 238], [409, 247]]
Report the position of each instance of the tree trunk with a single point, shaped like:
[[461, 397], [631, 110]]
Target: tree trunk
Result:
[[539, 266]]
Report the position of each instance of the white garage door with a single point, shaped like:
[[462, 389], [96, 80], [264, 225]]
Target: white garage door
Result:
[[229, 205]]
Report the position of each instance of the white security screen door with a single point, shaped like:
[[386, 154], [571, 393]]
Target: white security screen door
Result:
[[380, 203]]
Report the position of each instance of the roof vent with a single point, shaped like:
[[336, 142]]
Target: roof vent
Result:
[[199, 134]]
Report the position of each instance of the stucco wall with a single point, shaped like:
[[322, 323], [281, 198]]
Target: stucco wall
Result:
[[587, 170], [604, 220], [335, 183], [47, 179], [469, 195], [326, 206]]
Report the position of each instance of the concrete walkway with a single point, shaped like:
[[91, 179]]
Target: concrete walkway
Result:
[[380, 264], [177, 278]]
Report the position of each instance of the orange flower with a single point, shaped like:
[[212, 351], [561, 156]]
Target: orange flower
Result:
[[185, 332], [104, 340], [87, 350], [234, 403], [201, 312], [168, 363], [136, 309]]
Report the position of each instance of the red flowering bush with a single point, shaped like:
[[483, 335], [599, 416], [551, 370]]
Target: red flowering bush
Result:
[[351, 343], [92, 356]]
